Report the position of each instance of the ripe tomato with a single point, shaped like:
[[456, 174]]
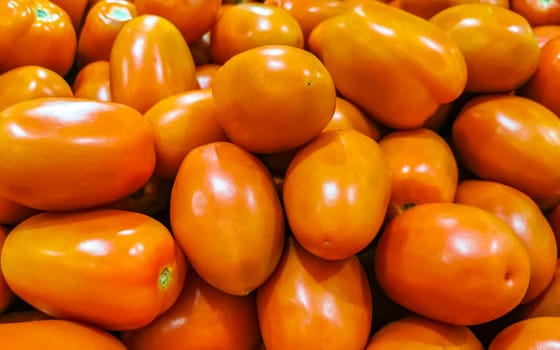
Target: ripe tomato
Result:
[[67, 154], [427, 9], [525, 219], [548, 302], [532, 333], [439, 261], [296, 98], [93, 82], [56, 335], [545, 33], [36, 29], [102, 24], [227, 217], [205, 74], [6, 294], [202, 318], [125, 268], [30, 82], [554, 220], [245, 26], [336, 192], [391, 85], [423, 169], [419, 333], [538, 12], [347, 116], [149, 61], [12, 213], [517, 142], [476, 28], [76, 9], [180, 123]]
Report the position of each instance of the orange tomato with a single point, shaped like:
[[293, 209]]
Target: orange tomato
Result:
[[423, 169], [347, 116], [533, 333], [391, 85], [336, 192], [149, 61], [512, 140], [538, 12], [545, 33], [202, 318], [30, 82], [476, 28], [554, 221], [93, 82], [36, 29], [102, 24], [6, 295], [427, 9], [525, 219], [296, 98], [200, 50], [56, 335], [76, 9], [12, 213], [227, 217], [248, 25], [439, 261], [125, 268], [548, 302], [205, 74], [419, 333], [179, 124], [67, 154], [311, 303]]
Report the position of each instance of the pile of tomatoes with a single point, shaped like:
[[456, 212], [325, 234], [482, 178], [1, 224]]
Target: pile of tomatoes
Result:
[[282, 174]]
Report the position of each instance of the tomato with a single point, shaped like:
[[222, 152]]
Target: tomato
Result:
[[517, 143], [200, 50], [526, 220], [76, 9], [205, 74], [149, 61], [192, 17], [545, 33], [437, 121], [12, 213], [554, 221], [227, 217], [336, 192], [67, 154], [419, 333], [548, 302], [391, 85], [533, 333], [427, 9], [313, 303], [56, 335], [179, 124], [245, 26], [348, 116], [102, 24], [125, 268], [439, 261], [30, 82], [36, 30], [538, 12], [476, 28], [202, 318], [6, 294], [296, 98], [423, 169], [93, 82]]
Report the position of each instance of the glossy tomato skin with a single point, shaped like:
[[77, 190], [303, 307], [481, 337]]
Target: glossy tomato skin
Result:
[[347, 116], [545, 33], [87, 153], [162, 67], [313, 303], [525, 219], [358, 49], [448, 245], [418, 333], [139, 269], [93, 82], [548, 302], [517, 142], [538, 12], [336, 192], [29, 82], [205, 74], [202, 318], [43, 28], [428, 9], [491, 68], [76, 9], [532, 333], [56, 334], [12, 213], [102, 24], [227, 217], [554, 219], [6, 294]]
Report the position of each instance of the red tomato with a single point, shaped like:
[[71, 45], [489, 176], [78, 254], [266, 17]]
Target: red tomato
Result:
[[311, 303], [125, 268], [66, 154], [93, 82], [534, 333]]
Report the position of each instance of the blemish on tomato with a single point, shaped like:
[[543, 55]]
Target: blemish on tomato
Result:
[[164, 278]]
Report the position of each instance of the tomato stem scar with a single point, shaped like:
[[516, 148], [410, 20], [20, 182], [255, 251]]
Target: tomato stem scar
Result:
[[164, 278], [41, 13]]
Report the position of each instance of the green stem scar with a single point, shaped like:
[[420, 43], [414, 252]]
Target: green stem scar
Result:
[[164, 278], [41, 13]]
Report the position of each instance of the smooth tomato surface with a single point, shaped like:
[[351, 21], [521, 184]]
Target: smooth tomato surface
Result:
[[93, 82], [347, 116], [532, 333], [545, 33], [12, 213], [427, 9], [6, 295], [538, 12], [548, 302]]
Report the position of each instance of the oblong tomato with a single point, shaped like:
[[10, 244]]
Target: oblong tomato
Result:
[[532, 333], [93, 82], [347, 116], [512, 140], [56, 335], [312, 303], [427, 9], [545, 33], [66, 154], [442, 260], [125, 268], [335, 193], [538, 12], [149, 61], [76, 9], [227, 217]]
